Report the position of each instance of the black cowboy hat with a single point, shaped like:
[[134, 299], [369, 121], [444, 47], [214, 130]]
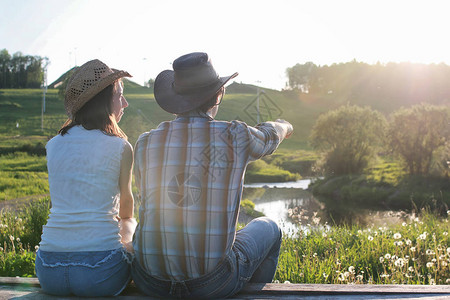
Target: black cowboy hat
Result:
[[192, 83]]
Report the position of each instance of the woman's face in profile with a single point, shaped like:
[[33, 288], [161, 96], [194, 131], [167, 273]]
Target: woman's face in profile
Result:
[[119, 103]]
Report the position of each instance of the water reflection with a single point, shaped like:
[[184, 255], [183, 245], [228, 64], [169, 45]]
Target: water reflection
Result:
[[296, 208]]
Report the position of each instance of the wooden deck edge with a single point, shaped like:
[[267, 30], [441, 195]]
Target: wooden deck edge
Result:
[[301, 289], [294, 289]]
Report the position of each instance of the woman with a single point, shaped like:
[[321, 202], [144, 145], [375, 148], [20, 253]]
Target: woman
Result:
[[83, 246]]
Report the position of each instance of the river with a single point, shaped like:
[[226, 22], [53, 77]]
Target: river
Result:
[[277, 200]]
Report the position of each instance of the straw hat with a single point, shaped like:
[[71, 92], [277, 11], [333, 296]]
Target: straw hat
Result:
[[192, 83], [87, 81]]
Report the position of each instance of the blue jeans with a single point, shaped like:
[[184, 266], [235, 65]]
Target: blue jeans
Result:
[[87, 273], [253, 258]]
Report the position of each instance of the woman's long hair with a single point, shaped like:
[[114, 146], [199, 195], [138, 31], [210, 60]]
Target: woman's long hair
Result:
[[97, 114]]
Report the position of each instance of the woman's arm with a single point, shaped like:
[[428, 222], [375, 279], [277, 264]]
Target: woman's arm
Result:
[[127, 222]]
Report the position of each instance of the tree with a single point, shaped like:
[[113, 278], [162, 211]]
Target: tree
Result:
[[416, 133], [300, 76], [348, 136], [5, 71]]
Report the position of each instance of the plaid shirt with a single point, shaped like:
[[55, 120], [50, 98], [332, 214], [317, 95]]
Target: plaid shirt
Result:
[[190, 173]]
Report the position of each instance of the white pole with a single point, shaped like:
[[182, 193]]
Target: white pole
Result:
[[257, 107], [44, 89]]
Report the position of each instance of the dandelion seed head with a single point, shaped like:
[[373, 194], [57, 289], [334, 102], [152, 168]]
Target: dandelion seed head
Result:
[[408, 242], [381, 259], [399, 262], [387, 256], [413, 249], [404, 224], [411, 269], [445, 233], [430, 264], [351, 269], [370, 238]]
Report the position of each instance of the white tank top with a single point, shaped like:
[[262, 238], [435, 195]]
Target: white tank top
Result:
[[83, 174]]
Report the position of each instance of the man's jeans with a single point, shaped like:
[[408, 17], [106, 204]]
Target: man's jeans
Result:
[[253, 258]]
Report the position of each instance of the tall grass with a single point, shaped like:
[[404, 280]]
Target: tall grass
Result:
[[20, 234], [415, 252]]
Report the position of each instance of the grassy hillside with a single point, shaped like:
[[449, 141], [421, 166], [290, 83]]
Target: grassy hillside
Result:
[[20, 112]]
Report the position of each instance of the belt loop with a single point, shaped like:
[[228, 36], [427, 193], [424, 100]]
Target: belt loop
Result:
[[179, 289]]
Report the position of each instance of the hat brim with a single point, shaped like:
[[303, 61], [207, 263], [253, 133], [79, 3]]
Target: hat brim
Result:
[[176, 103], [97, 88]]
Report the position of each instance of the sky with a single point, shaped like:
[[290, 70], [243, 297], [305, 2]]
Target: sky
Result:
[[257, 38]]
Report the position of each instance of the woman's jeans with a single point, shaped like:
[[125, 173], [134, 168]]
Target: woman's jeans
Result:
[[253, 258], [87, 273]]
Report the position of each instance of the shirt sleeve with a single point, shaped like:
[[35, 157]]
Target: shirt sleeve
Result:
[[258, 141]]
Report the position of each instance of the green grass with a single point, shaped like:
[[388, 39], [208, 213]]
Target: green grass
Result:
[[260, 171], [415, 252], [22, 174]]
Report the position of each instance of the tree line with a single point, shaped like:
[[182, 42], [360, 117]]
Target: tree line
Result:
[[363, 84], [20, 71], [351, 136]]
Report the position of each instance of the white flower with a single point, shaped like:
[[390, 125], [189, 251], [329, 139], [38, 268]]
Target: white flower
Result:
[[430, 264], [430, 252], [11, 238], [411, 269], [408, 242], [404, 224], [36, 248], [448, 250], [399, 262], [413, 249], [1, 249], [387, 256], [445, 233], [370, 238], [324, 275], [398, 243], [381, 259], [351, 269], [287, 282], [444, 263], [423, 236], [18, 239], [397, 236], [324, 234]]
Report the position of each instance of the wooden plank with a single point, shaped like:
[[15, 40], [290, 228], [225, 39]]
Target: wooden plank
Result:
[[30, 286], [277, 288]]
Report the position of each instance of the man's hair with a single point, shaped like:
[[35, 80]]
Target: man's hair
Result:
[[97, 113], [212, 102]]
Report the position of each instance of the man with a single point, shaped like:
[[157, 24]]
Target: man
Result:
[[190, 172]]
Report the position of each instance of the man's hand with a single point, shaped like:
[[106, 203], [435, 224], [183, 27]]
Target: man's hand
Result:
[[287, 126]]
